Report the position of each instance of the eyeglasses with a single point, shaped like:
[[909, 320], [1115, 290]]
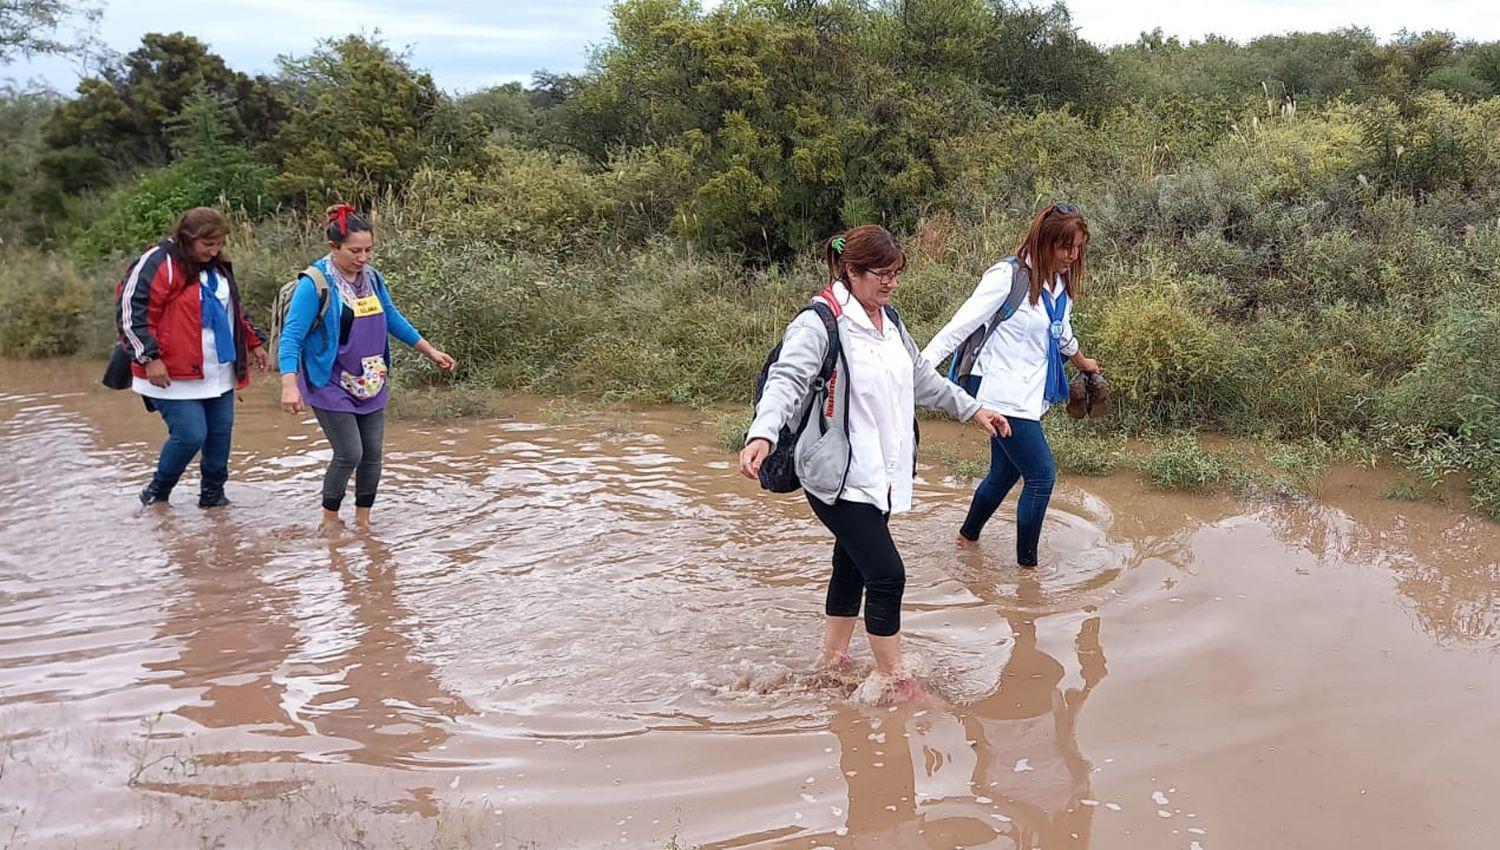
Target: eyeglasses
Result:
[[885, 277]]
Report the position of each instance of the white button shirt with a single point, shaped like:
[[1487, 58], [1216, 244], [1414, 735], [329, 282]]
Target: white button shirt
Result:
[[882, 408], [1014, 361]]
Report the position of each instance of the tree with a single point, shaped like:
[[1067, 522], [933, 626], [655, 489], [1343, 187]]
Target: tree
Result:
[[122, 116], [210, 170], [1034, 57], [28, 27], [364, 121], [508, 111]]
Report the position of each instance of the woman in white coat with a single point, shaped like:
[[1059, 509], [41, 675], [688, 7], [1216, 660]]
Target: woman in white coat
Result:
[[1019, 370]]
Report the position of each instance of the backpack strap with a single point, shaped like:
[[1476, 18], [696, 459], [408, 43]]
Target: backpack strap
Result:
[[1020, 287], [827, 308], [829, 315], [320, 286], [890, 313]]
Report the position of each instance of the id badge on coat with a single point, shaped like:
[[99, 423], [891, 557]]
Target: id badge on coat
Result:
[[366, 306]]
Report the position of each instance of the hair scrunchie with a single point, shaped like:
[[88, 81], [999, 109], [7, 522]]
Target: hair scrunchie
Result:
[[340, 215]]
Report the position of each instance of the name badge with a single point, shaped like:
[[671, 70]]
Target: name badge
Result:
[[366, 306], [1057, 330]]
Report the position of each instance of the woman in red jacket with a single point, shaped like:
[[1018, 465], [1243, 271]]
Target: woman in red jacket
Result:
[[191, 342]]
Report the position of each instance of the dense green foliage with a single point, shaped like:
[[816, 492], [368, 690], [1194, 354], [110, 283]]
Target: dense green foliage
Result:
[[1296, 239]]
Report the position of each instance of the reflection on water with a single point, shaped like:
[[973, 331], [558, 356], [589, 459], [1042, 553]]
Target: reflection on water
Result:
[[1007, 766], [594, 634]]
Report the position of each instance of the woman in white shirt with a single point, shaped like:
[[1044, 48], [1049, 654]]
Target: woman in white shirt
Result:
[[1019, 370], [857, 455]]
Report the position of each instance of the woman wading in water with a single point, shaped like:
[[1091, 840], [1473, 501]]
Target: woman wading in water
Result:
[[190, 343], [335, 358], [1021, 366], [857, 464]]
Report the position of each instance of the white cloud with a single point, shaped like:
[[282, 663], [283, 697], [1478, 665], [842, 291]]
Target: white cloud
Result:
[[467, 45], [1114, 22]]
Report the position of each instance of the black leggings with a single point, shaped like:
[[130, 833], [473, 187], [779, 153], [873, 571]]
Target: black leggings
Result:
[[356, 439], [865, 563]]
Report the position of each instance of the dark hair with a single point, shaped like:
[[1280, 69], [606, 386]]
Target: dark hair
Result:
[[1058, 224], [196, 223], [868, 246], [344, 220]]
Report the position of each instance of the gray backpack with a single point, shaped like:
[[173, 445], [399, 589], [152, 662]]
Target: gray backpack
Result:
[[964, 357], [283, 303]]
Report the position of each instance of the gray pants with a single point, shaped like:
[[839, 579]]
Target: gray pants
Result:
[[356, 439]]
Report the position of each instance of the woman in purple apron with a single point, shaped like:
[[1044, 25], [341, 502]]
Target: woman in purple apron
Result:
[[335, 358]]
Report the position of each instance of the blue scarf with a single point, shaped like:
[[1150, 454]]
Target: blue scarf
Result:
[[215, 318], [1057, 383]]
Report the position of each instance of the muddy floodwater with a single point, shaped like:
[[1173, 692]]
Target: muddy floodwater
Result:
[[576, 627]]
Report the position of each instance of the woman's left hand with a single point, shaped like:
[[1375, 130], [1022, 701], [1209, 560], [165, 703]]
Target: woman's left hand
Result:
[[442, 360], [989, 420], [261, 357], [1087, 364]]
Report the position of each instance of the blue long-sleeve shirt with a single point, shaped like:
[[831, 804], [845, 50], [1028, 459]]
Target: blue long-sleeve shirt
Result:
[[316, 351]]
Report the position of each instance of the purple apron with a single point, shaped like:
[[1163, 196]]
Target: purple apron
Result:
[[358, 382]]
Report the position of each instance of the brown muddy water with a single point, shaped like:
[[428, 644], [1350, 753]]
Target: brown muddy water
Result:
[[582, 629]]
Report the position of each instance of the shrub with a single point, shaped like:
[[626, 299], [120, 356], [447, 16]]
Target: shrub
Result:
[[1167, 361], [1082, 449], [1180, 463], [47, 308], [520, 200]]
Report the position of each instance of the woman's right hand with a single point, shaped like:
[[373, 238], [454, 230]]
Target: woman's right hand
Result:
[[156, 373], [991, 421], [752, 456], [291, 396]]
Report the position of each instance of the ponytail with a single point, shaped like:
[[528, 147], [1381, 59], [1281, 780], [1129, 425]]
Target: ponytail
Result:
[[833, 254]]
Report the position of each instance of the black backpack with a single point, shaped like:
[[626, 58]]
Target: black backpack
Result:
[[967, 353], [778, 472]]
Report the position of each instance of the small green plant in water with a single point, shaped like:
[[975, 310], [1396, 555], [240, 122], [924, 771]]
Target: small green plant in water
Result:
[[1484, 492], [1084, 450], [1180, 463], [1303, 463], [730, 430], [1404, 490]]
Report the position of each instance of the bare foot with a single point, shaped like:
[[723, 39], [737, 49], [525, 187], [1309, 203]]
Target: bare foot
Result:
[[331, 527], [905, 690], [963, 542], [880, 689], [836, 660]]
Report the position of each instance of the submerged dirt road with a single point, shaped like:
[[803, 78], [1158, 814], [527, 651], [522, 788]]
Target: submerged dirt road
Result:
[[585, 630]]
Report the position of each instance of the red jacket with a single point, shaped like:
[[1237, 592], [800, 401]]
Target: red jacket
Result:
[[161, 316]]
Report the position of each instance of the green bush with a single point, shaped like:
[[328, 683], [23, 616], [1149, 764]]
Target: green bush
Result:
[[1168, 362], [1082, 448], [1181, 463], [212, 171], [48, 308]]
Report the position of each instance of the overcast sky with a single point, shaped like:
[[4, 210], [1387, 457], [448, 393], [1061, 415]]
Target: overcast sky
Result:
[[471, 45]]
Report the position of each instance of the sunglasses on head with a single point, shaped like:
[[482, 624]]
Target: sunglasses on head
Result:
[[1065, 209]]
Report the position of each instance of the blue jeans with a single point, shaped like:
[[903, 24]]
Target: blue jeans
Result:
[[194, 426], [1023, 455]]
